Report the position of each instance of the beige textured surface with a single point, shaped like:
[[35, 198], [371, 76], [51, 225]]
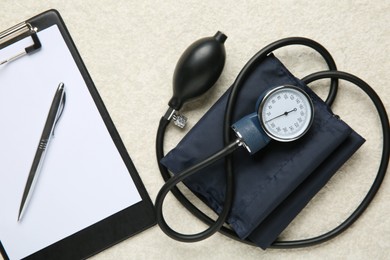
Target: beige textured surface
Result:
[[130, 49]]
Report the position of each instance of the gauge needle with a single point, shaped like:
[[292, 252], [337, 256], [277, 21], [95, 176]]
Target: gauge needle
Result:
[[284, 114]]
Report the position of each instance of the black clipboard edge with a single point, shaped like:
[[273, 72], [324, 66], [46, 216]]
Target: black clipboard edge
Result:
[[3, 252], [119, 226]]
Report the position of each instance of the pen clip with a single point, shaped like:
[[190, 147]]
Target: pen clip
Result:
[[60, 110]]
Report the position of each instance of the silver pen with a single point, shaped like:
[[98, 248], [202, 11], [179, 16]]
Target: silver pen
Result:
[[53, 116]]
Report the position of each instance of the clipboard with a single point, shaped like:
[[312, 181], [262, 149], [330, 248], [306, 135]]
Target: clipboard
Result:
[[103, 200]]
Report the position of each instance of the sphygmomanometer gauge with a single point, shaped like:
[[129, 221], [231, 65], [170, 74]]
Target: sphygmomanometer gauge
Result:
[[284, 113]]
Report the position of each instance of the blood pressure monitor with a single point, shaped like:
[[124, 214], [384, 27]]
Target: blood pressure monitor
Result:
[[284, 113]]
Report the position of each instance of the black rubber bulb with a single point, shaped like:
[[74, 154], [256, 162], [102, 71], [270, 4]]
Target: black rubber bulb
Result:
[[198, 69]]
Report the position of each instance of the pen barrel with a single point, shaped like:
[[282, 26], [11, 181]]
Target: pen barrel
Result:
[[43, 144], [33, 176], [37, 162]]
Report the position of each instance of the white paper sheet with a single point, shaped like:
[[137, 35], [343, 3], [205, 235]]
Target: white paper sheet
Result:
[[83, 179]]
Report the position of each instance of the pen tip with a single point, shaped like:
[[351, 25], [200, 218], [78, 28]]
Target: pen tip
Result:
[[20, 215]]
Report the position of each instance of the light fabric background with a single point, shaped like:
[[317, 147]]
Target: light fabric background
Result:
[[131, 48]]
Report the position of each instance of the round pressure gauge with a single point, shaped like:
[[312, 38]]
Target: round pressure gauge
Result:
[[286, 113]]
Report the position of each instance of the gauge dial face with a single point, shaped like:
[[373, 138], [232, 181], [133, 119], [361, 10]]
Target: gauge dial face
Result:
[[286, 113]]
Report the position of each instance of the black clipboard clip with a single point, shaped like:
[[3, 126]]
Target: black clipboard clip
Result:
[[16, 33]]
